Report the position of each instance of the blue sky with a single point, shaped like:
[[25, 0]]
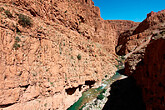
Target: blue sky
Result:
[[135, 10]]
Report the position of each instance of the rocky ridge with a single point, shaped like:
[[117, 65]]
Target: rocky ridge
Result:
[[50, 48], [136, 39], [146, 64], [150, 74]]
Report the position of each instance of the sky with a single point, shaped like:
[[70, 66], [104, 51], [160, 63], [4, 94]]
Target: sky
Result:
[[135, 10]]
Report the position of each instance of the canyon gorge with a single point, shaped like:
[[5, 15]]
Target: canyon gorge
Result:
[[51, 51]]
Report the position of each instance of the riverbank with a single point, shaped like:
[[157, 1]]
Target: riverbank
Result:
[[95, 98], [99, 102]]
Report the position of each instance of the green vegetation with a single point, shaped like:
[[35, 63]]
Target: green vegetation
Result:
[[65, 11], [9, 15], [93, 93], [47, 70], [17, 39], [60, 49], [122, 57], [79, 57], [13, 3], [16, 45], [104, 90], [1, 9], [72, 57], [101, 96], [19, 33], [45, 104], [52, 84], [117, 66], [24, 20]]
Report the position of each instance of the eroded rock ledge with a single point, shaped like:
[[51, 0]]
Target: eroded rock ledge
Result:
[[65, 43]]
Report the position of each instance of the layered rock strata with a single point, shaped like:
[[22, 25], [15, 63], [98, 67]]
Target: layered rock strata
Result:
[[48, 47]]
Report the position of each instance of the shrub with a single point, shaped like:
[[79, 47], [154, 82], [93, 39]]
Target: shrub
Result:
[[117, 66], [72, 57], [16, 45], [9, 15], [104, 90], [24, 20], [65, 11], [45, 104], [19, 33], [101, 96], [79, 57], [17, 39], [1, 9], [122, 57], [52, 84]]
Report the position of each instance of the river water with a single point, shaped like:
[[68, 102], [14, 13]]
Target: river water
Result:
[[92, 93]]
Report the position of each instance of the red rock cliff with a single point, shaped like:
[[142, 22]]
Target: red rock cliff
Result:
[[135, 39], [146, 63], [48, 46], [150, 74]]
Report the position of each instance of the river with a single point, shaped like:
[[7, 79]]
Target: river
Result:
[[93, 93]]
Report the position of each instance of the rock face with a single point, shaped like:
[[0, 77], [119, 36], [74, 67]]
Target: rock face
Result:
[[135, 39], [152, 20], [146, 63], [150, 75], [50, 46], [129, 40]]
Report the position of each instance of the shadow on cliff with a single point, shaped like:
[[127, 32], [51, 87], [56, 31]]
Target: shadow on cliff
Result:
[[125, 95]]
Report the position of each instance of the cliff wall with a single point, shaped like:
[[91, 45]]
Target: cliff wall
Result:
[[146, 63], [50, 48]]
